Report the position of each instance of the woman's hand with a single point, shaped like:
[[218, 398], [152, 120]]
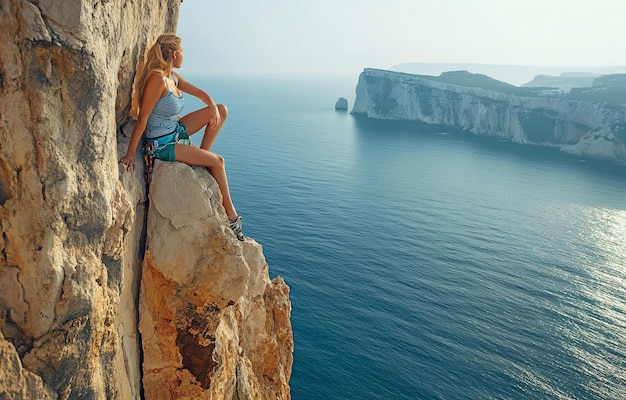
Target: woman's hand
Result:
[[128, 163], [214, 116]]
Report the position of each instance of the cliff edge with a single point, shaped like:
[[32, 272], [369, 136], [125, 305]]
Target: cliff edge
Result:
[[213, 325], [583, 128], [74, 228]]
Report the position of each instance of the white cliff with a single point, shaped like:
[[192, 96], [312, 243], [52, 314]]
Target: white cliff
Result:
[[582, 128]]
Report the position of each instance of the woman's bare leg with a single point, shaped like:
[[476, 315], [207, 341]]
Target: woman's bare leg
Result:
[[194, 121], [195, 156]]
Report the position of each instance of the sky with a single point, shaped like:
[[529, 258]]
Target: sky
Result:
[[342, 37]]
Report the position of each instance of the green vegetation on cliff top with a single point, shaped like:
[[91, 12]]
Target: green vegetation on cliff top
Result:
[[606, 89]]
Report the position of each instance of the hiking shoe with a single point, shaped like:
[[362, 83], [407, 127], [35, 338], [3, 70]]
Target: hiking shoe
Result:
[[236, 226]]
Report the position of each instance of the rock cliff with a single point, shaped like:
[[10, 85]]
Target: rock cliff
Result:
[[213, 325], [581, 128], [74, 227]]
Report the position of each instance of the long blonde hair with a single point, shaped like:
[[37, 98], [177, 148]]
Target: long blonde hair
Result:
[[156, 60]]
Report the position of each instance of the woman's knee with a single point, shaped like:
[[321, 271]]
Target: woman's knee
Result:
[[219, 162]]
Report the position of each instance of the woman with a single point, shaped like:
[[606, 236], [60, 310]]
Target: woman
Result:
[[157, 102]]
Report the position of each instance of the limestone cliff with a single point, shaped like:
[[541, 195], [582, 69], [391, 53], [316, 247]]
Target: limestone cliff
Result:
[[582, 128], [73, 227], [213, 325]]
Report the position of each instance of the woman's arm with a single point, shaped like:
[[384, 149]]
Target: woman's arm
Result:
[[187, 87], [155, 87]]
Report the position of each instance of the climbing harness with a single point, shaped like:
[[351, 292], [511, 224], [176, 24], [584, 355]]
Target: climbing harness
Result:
[[151, 147], [148, 160]]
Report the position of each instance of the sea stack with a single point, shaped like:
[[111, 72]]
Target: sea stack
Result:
[[341, 104]]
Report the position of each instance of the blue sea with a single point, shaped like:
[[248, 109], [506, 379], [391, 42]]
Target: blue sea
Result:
[[423, 263]]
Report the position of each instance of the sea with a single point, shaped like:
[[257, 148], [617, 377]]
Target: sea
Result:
[[425, 263]]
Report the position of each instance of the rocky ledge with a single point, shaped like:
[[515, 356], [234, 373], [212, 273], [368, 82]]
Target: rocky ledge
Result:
[[212, 323]]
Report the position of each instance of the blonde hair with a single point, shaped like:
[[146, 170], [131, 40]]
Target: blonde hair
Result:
[[155, 60]]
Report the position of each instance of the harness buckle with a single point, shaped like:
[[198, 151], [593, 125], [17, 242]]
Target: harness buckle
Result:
[[149, 150]]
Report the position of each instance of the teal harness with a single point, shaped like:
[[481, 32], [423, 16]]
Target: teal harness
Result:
[[159, 148]]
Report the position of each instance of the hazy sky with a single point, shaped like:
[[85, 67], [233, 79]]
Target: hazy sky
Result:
[[345, 36]]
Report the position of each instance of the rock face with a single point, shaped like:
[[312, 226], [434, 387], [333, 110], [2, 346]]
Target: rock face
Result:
[[73, 227], [213, 325], [581, 128], [341, 104]]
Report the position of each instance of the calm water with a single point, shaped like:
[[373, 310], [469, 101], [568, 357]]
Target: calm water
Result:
[[426, 264]]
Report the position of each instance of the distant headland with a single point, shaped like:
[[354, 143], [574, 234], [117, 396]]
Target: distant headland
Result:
[[587, 122]]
